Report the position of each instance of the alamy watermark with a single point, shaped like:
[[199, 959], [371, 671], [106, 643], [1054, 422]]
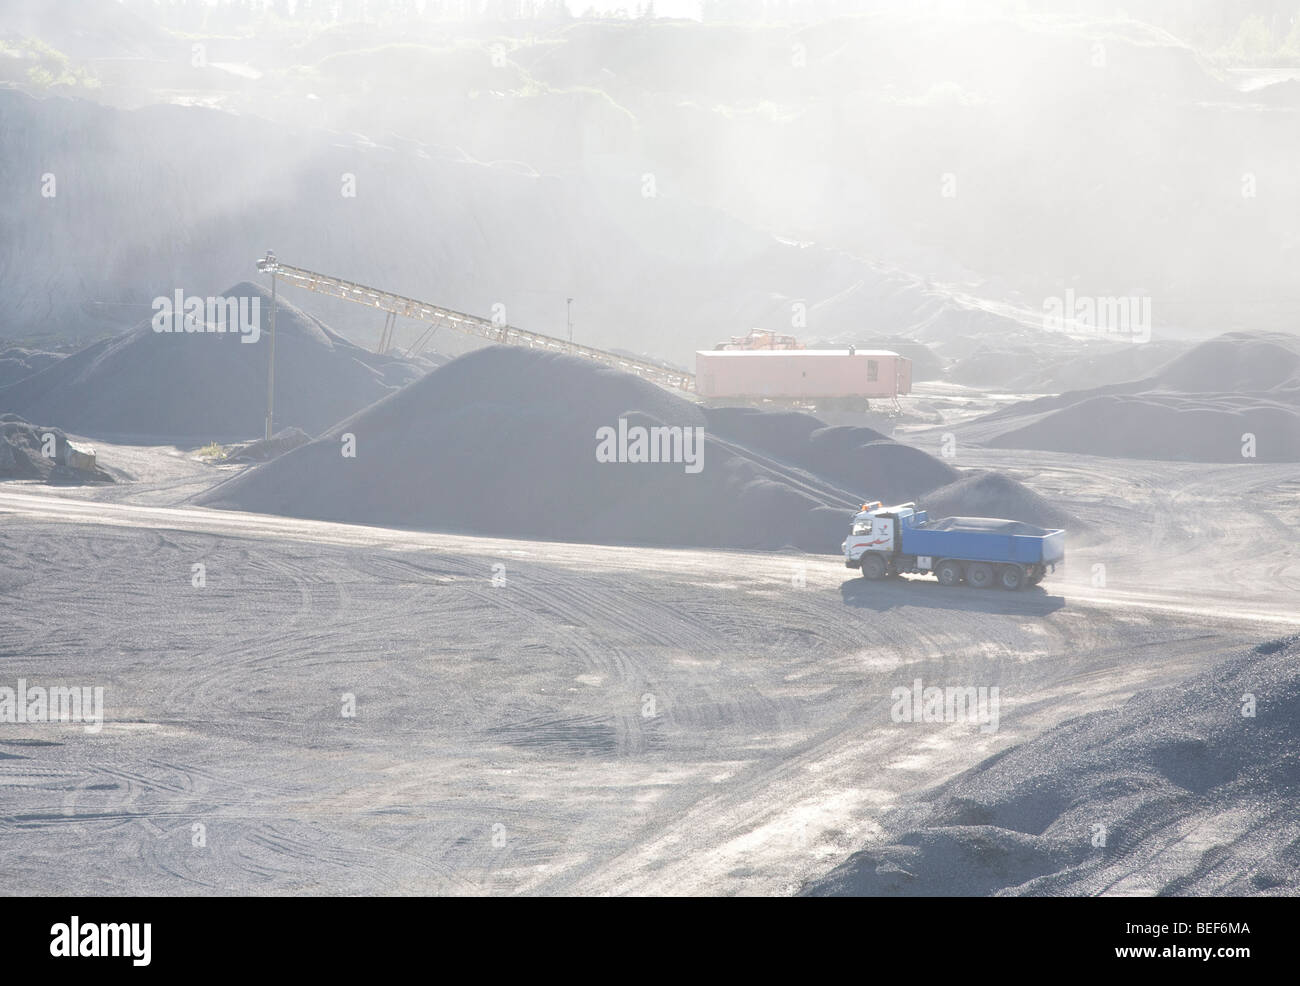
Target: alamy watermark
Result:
[[102, 940], [1126, 318], [955, 703], [658, 443], [194, 314], [59, 703]]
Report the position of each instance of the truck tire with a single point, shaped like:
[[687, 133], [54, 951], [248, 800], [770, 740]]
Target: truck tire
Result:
[[1011, 577], [979, 575], [873, 567], [948, 572]]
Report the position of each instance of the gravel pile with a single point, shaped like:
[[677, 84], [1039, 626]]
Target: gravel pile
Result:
[[209, 386], [1169, 763]]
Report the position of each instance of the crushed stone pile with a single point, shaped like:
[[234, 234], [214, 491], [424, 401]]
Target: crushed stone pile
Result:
[[991, 494], [504, 442], [1099, 366], [856, 458], [23, 455], [265, 449], [1235, 398], [1170, 763], [208, 386], [1200, 428], [16, 363]]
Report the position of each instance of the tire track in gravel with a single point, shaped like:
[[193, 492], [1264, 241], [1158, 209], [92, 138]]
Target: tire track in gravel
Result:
[[228, 669], [556, 600], [770, 753], [762, 834]]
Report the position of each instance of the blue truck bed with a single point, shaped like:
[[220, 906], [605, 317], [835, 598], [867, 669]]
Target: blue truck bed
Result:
[[982, 539]]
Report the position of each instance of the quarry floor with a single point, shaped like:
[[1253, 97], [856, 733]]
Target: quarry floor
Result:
[[555, 718]]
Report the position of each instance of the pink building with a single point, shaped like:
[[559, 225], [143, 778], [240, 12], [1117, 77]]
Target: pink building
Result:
[[802, 373]]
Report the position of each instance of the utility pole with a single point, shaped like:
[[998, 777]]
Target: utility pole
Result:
[[569, 313], [270, 363]]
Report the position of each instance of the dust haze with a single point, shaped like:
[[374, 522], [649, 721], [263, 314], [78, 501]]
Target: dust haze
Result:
[[526, 447]]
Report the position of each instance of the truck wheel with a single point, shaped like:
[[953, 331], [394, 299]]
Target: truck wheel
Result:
[[948, 573], [979, 575], [1011, 577], [873, 567]]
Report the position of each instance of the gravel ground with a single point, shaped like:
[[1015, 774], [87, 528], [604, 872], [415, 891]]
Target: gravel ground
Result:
[[600, 720]]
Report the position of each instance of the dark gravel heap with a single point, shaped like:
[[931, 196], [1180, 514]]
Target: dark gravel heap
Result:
[[502, 442], [1170, 762], [1197, 407], [21, 448], [208, 386]]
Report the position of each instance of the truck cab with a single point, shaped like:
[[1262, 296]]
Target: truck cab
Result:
[[874, 536]]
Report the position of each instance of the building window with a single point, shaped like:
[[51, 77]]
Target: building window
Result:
[[873, 371]]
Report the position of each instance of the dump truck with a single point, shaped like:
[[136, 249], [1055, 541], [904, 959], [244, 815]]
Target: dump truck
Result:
[[977, 551]]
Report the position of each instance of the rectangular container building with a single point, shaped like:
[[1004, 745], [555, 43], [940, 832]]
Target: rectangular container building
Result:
[[796, 374]]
